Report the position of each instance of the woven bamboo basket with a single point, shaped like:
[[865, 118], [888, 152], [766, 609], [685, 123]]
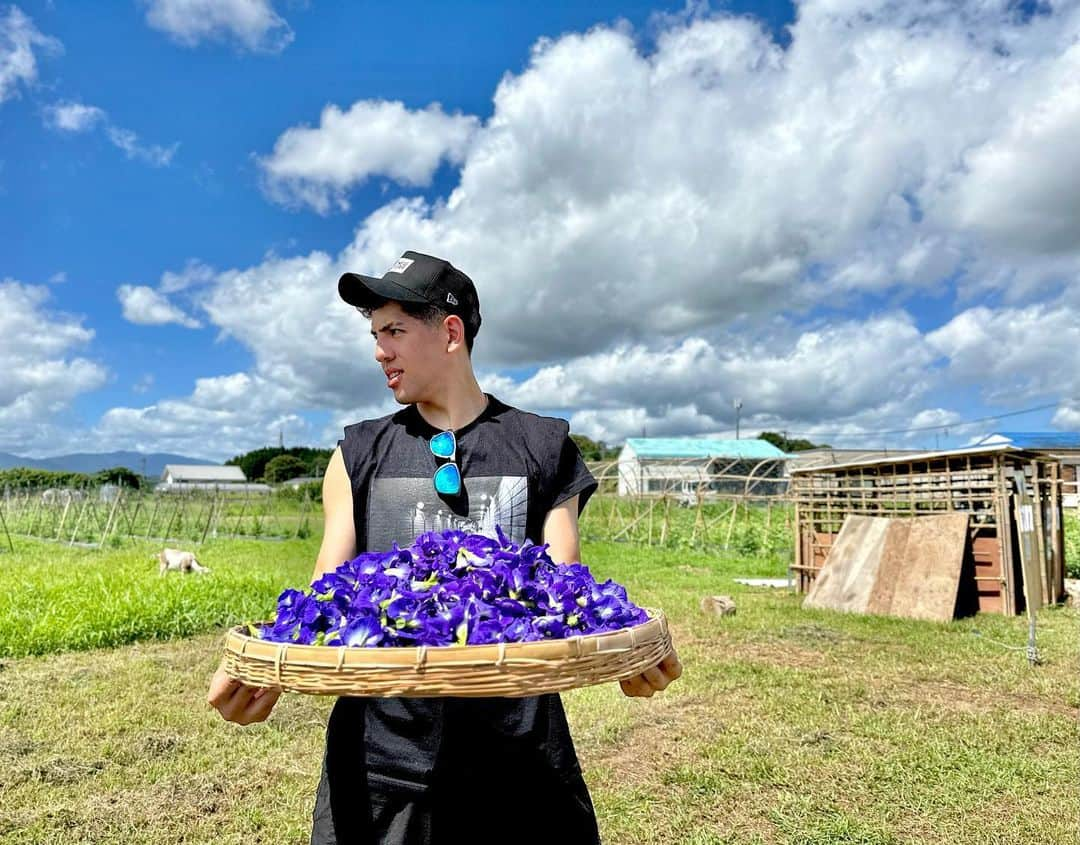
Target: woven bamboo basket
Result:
[[502, 669]]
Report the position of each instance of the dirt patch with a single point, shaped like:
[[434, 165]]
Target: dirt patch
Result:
[[965, 699], [61, 770]]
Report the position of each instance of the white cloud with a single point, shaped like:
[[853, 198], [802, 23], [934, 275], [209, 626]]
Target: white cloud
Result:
[[317, 166], [195, 273], [253, 24], [152, 154], [18, 40], [1014, 354], [39, 375], [73, 117], [1067, 417], [652, 228], [148, 307], [225, 415]]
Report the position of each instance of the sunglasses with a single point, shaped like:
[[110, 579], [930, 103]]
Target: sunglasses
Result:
[[447, 478]]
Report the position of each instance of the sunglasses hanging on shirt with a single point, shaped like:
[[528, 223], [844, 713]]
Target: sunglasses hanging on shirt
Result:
[[447, 478]]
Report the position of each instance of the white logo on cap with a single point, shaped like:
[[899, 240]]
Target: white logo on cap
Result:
[[451, 299], [400, 266]]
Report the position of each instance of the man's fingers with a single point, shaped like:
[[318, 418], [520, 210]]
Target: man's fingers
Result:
[[655, 678], [671, 666], [637, 687], [221, 690], [261, 707]]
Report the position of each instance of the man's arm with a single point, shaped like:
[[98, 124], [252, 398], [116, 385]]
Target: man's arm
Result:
[[561, 533], [243, 704], [339, 530]]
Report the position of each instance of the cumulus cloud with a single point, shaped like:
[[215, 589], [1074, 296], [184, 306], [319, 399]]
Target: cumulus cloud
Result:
[[74, 117], [317, 166], [39, 373], [215, 421], [148, 307], [19, 39], [656, 230], [252, 24], [1014, 354]]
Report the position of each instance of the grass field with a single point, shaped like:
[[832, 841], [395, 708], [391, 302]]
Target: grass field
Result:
[[55, 597], [787, 727]]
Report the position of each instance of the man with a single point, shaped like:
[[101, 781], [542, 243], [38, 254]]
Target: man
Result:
[[407, 771]]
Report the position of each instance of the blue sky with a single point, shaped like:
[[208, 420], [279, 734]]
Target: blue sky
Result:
[[817, 210]]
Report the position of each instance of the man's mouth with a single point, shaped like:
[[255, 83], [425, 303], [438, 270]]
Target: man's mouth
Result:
[[393, 378]]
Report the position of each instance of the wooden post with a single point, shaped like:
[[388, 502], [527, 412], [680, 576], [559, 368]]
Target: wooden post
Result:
[[112, 512], [3, 522], [1040, 544], [63, 516], [153, 514], [78, 520]]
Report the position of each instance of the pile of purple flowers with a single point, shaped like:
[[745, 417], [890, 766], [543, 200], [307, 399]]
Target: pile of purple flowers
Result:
[[451, 588]]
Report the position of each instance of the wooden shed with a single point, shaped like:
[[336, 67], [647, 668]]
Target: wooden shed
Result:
[[1012, 496]]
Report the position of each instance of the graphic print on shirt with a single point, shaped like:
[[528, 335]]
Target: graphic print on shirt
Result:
[[400, 509]]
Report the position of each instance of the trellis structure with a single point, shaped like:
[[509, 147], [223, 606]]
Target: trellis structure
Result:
[[1011, 495], [688, 501], [90, 518]]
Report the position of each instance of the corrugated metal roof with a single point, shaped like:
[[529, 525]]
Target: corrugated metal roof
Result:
[[922, 456], [1035, 439], [701, 447], [203, 472]]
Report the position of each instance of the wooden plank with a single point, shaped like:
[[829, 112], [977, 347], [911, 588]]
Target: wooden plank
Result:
[[920, 575], [850, 571]]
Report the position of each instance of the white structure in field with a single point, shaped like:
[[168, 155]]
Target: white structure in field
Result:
[[685, 465], [177, 477]]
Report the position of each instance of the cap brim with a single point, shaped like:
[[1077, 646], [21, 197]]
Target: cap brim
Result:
[[365, 291]]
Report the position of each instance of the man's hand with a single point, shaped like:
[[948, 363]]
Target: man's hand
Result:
[[655, 679], [238, 702]]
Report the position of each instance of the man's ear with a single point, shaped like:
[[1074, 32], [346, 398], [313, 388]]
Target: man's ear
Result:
[[455, 330]]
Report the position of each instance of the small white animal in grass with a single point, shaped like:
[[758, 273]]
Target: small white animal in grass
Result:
[[176, 560]]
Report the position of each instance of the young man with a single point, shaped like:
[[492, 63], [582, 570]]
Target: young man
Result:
[[412, 771]]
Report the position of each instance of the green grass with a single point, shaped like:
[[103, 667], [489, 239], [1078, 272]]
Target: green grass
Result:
[[55, 597], [789, 726]]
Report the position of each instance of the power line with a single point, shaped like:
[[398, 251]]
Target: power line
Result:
[[939, 427]]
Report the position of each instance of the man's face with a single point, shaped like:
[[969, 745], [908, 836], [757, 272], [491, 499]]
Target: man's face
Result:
[[410, 352]]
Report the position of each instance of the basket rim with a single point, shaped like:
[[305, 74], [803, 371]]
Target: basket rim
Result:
[[247, 647]]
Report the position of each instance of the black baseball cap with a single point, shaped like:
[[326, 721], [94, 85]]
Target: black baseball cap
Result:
[[419, 278]]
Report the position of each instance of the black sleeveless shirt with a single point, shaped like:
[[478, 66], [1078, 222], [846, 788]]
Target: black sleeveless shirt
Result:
[[391, 763]]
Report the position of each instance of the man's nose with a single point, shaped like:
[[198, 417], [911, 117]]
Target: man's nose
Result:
[[381, 355]]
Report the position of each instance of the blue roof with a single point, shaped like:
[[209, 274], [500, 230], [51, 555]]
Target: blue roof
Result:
[[1036, 439], [701, 447]]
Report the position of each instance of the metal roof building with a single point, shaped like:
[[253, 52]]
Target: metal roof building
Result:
[[689, 465], [202, 473]]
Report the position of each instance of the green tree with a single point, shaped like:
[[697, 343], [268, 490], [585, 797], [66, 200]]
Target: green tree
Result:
[[118, 475], [594, 450], [254, 463], [284, 467], [785, 444]]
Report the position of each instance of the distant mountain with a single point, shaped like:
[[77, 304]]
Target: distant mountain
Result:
[[93, 461]]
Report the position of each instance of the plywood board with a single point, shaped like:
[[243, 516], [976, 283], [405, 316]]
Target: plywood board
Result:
[[906, 567], [925, 582], [850, 570]]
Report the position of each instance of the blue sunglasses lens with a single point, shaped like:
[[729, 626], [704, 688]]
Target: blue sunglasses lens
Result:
[[443, 445], [448, 479]]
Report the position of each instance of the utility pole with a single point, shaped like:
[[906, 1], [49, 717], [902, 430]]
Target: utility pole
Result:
[[281, 439], [738, 407]]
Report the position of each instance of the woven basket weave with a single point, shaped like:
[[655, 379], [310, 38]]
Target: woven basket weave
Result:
[[503, 669]]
